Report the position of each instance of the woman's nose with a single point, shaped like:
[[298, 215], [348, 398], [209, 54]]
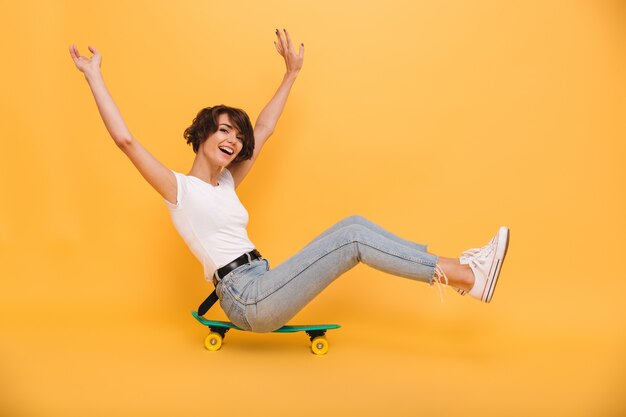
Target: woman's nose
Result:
[[232, 138]]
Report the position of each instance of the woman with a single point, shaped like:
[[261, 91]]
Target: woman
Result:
[[212, 221]]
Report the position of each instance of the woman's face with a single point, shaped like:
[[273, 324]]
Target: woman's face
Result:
[[224, 145]]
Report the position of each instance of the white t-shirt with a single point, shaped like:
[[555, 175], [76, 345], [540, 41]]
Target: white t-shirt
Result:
[[211, 220]]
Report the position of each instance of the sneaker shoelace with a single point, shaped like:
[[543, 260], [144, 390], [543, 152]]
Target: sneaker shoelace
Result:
[[476, 254], [439, 275]]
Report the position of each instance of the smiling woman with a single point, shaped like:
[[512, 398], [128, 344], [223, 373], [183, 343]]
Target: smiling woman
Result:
[[210, 218], [221, 136], [232, 120]]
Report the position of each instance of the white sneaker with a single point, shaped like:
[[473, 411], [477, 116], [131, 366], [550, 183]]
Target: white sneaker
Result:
[[486, 263]]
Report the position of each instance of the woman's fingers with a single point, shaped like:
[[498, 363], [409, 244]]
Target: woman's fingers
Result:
[[74, 52], [82, 62], [76, 55], [281, 43], [289, 45], [97, 58], [78, 60], [278, 48], [284, 46]]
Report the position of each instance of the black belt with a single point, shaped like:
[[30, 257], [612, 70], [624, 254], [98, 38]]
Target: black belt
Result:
[[246, 258]]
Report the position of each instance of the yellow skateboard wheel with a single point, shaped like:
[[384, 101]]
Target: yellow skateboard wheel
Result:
[[213, 341], [319, 345]]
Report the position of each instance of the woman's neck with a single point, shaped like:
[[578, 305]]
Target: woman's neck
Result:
[[202, 169]]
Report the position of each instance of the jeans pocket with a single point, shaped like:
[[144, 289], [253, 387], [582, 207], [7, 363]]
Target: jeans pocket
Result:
[[234, 310], [240, 279], [227, 303]]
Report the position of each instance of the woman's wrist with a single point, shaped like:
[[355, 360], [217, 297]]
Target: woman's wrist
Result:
[[292, 74], [92, 74]]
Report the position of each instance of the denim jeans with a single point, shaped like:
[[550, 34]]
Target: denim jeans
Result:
[[260, 299]]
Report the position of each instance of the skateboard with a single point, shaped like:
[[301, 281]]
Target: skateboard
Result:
[[317, 333]]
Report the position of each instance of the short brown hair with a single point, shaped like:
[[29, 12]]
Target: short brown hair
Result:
[[205, 124]]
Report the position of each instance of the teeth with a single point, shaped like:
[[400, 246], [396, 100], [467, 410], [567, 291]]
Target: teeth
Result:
[[227, 150]]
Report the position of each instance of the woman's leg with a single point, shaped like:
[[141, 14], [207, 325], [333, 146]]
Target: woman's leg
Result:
[[356, 219], [277, 295], [457, 275]]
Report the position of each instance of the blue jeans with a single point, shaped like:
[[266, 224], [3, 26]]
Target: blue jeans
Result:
[[260, 299]]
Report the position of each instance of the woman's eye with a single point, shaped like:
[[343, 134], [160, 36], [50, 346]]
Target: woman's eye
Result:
[[240, 138], [224, 130]]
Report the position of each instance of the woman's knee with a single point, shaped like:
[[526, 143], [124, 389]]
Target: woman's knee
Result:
[[355, 219], [352, 233]]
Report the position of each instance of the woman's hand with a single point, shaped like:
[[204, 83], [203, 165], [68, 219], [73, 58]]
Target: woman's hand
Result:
[[285, 48], [84, 64]]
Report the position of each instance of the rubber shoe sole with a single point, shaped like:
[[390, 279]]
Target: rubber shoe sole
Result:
[[504, 235]]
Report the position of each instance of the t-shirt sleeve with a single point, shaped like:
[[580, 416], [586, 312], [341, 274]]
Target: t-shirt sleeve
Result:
[[179, 192]]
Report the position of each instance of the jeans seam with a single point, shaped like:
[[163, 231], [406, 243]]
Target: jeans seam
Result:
[[240, 306], [273, 290]]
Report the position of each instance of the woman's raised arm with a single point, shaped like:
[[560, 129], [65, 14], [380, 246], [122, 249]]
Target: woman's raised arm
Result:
[[157, 174], [266, 122], [268, 118]]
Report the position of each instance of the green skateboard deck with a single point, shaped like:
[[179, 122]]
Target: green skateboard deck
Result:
[[316, 332]]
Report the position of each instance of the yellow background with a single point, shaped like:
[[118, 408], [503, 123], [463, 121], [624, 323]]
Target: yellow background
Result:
[[438, 120]]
